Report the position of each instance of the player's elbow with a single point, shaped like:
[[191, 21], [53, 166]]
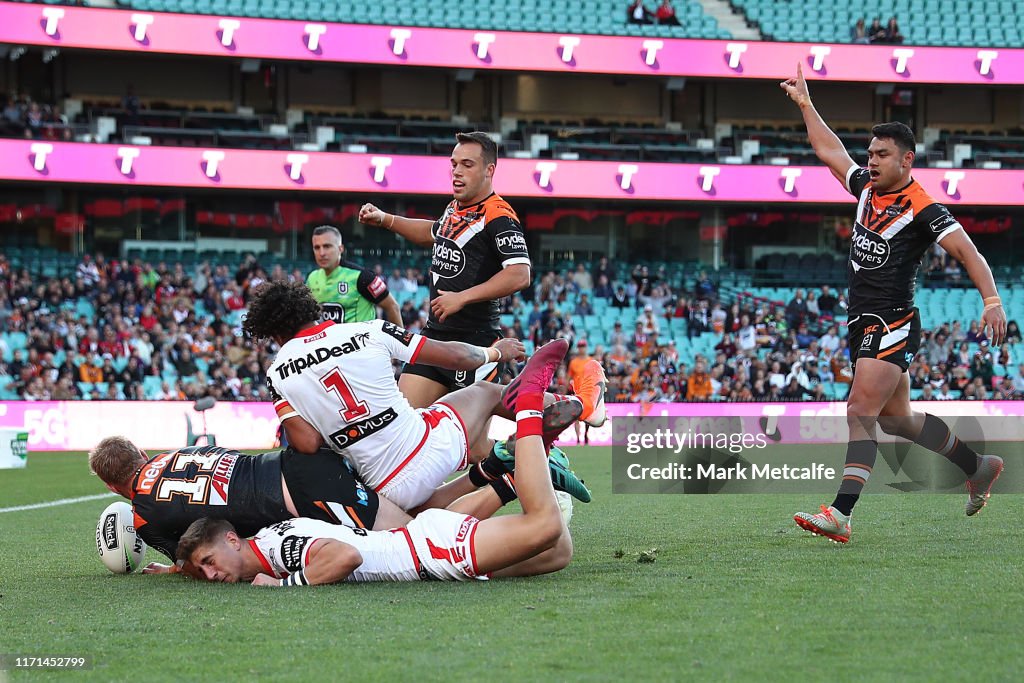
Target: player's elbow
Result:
[[344, 559], [307, 442], [522, 277]]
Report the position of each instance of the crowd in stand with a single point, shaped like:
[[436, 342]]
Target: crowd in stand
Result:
[[181, 329], [23, 117], [876, 33]]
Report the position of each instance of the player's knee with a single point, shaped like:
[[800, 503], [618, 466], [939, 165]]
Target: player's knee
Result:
[[548, 528], [563, 550]]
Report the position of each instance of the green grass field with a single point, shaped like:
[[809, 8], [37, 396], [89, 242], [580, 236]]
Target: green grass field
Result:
[[736, 592]]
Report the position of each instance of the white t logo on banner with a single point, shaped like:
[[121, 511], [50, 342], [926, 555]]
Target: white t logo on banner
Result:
[[953, 178], [819, 52], [53, 15], [212, 159], [651, 47], [483, 42], [902, 55], [708, 173], [545, 169], [142, 22], [627, 171], [313, 33], [568, 43], [735, 50], [41, 150], [228, 28], [379, 165], [127, 155], [400, 35], [296, 161]]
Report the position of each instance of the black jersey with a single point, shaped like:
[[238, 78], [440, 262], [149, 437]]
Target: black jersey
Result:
[[890, 236], [471, 245], [175, 489]]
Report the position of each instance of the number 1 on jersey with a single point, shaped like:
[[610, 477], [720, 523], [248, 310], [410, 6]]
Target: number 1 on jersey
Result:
[[354, 408]]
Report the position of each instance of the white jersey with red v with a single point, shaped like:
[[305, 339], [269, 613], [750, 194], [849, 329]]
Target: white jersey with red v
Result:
[[340, 379]]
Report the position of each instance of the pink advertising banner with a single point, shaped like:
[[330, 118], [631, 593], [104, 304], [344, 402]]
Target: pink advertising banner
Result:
[[194, 34], [84, 163], [79, 425]]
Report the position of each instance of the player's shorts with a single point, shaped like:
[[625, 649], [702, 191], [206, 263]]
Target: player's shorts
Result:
[[443, 450], [893, 336], [444, 544], [459, 379], [322, 486]]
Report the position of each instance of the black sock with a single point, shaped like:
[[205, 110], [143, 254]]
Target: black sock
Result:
[[936, 437], [860, 458], [503, 487]]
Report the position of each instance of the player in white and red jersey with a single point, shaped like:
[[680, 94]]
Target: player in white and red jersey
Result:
[[334, 383], [437, 544]]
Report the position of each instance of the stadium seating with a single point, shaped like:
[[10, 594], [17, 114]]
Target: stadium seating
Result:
[[600, 17], [995, 23]]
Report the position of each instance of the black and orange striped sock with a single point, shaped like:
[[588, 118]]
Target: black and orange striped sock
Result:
[[936, 437], [860, 459]]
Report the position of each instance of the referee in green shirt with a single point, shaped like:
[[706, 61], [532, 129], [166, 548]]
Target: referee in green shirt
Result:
[[347, 292]]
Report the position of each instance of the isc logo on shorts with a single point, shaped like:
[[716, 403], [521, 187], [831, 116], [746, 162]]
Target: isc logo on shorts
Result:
[[464, 529]]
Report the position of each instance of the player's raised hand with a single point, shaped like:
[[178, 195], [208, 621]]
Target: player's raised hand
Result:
[[511, 348], [264, 580], [994, 319], [371, 215], [796, 88]]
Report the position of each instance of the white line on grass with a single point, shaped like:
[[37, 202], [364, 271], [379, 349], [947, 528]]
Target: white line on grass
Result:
[[55, 503]]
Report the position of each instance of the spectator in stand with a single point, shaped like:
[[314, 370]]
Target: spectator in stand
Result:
[[927, 393], [944, 393], [859, 33], [603, 288], [699, 383], [705, 288], [746, 337], [975, 334], [796, 309], [582, 279], [637, 13], [700, 320], [1018, 380], [583, 306], [1013, 335], [666, 14], [892, 33], [90, 370], [620, 299], [876, 33]]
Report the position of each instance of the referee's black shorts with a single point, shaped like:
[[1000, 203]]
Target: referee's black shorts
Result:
[[458, 379]]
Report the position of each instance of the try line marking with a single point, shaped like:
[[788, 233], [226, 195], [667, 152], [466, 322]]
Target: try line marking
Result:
[[56, 503]]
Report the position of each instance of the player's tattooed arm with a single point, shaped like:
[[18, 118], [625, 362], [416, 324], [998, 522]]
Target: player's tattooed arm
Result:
[[461, 356]]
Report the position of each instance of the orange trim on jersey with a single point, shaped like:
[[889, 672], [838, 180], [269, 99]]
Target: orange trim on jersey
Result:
[[263, 561], [355, 518], [901, 321], [462, 425], [416, 353], [892, 350], [408, 458], [412, 548], [330, 513], [310, 331], [137, 520], [492, 207]]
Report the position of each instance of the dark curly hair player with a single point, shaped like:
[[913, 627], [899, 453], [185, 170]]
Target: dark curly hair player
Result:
[[280, 309], [333, 384]]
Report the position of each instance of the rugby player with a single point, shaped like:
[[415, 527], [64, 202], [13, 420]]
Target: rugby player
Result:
[[437, 544], [896, 223], [347, 292], [479, 256], [334, 384]]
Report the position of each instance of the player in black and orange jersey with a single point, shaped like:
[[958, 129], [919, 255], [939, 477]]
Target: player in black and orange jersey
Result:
[[479, 256], [171, 490], [896, 223]]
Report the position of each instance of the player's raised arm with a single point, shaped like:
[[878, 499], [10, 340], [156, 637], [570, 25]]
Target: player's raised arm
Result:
[[826, 144], [415, 230]]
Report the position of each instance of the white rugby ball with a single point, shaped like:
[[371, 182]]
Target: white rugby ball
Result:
[[119, 546]]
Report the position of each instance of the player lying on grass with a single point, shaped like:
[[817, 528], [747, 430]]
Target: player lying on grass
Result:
[[436, 544], [171, 490], [334, 384]]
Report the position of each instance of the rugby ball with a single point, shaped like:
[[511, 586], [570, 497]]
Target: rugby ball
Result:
[[119, 546]]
